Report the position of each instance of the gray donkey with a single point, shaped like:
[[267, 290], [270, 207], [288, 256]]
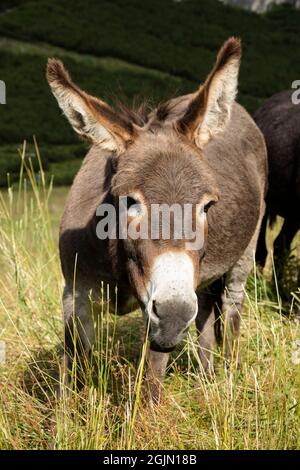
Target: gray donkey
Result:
[[201, 149], [279, 120]]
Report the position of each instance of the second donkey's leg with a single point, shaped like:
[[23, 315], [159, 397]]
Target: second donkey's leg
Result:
[[282, 247], [261, 249]]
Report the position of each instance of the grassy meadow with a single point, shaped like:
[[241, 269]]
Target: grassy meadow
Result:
[[253, 407], [154, 49]]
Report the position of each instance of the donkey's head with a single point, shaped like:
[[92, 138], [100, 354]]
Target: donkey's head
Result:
[[159, 161]]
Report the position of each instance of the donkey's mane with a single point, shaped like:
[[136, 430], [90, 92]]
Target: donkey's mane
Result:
[[140, 114]]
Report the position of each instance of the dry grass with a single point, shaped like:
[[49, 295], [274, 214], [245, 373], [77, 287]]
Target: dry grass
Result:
[[255, 407]]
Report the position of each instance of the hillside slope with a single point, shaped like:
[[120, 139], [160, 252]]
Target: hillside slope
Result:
[[260, 6], [123, 49]]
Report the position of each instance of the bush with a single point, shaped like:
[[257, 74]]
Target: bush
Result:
[[62, 162], [174, 42]]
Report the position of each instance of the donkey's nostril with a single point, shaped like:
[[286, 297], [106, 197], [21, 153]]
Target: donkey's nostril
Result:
[[154, 309]]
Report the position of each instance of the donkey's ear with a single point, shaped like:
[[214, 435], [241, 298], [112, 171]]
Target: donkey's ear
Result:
[[90, 117], [210, 108]]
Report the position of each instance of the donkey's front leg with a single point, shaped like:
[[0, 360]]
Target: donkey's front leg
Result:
[[208, 301], [233, 299], [157, 364], [79, 337], [234, 294], [231, 313], [205, 326]]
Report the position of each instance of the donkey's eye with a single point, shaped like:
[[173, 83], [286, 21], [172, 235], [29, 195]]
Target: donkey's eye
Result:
[[131, 202], [134, 207], [208, 205], [204, 209]]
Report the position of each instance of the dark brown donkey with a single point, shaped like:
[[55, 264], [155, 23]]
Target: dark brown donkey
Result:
[[197, 149], [279, 121]]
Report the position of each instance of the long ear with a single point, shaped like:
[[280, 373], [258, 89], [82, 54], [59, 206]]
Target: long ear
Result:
[[209, 111], [90, 117]]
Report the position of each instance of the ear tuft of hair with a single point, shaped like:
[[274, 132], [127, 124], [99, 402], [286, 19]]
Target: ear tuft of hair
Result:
[[229, 52], [57, 75], [90, 117], [209, 111]]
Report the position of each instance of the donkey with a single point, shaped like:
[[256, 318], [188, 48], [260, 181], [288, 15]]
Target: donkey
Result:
[[279, 120], [202, 149]]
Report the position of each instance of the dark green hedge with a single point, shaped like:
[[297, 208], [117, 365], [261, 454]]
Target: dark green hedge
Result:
[[179, 38], [32, 110], [59, 161]]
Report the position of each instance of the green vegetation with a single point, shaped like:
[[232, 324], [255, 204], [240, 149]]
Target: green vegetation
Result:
[[125, 50], [151, 48], [254, 407]]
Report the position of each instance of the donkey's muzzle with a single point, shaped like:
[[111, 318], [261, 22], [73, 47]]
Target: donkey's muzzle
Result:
[[171, 318], [172, 303]]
